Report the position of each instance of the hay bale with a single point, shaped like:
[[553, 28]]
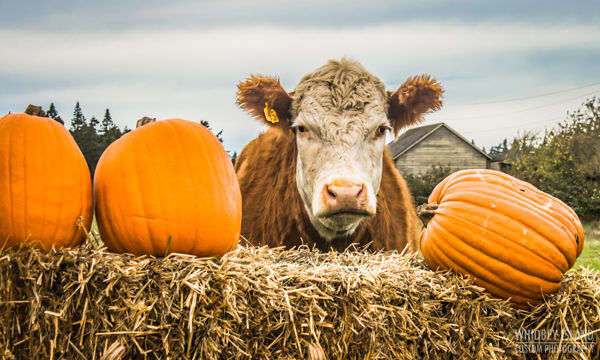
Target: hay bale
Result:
[[261, 303]]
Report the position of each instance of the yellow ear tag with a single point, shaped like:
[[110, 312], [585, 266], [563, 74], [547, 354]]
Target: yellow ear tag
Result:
[[270, 114]]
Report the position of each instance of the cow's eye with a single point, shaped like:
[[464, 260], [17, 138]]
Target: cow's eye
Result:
[[382, 130], [300, 129]]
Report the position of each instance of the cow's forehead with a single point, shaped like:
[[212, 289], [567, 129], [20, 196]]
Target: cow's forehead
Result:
[[319, 111], [354, 98], [347, 126], [343, 87]]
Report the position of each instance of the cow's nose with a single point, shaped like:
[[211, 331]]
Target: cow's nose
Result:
[[345, 193], [344, 197]]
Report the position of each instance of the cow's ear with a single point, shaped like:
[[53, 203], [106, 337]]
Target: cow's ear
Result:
[[265, 99], [418, 95]]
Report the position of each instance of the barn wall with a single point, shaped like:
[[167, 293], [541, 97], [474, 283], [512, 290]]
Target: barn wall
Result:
[[440, 148]]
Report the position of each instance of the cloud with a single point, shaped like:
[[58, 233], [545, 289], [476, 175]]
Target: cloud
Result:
[[216, 56], [191, 72], [153, 14]]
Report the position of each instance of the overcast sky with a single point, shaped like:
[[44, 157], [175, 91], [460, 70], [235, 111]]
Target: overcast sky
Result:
[[506, 66]]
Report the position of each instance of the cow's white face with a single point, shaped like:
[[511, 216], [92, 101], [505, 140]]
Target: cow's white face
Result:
[[339, 163]]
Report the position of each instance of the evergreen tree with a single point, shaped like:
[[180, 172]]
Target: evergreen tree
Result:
[[91, 146], [219, 135], [234, 157], [86, 137], [109, 132], [94, 122], [53, 114], [500, 149], [107, 122], [78, 120]]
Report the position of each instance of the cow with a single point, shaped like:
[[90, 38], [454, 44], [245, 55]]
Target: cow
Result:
[[321, 175]]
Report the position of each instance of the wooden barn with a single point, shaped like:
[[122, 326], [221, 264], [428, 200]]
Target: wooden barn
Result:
[[418, 149]]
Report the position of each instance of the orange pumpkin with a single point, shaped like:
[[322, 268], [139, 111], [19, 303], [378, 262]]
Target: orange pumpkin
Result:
[[45, 184], [168, 186], [513, 239]]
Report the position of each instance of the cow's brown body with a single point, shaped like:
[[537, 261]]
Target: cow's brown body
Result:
[[320, 174], [273, 213]]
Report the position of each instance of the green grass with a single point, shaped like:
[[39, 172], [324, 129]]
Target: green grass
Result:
[[94, 224], [590, 256]]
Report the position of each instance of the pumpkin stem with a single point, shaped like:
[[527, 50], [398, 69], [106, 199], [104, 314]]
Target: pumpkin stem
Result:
[[35, 111], [143, 121], [426, 211]]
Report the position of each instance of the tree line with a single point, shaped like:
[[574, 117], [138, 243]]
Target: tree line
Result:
[[94, 136], [564, 161]]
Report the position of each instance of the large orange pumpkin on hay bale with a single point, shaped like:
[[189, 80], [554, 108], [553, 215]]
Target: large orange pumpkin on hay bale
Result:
[[45, 184], [168, 186], [513, 239]]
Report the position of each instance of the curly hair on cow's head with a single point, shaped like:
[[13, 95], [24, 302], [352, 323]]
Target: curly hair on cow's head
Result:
[[343, 85]]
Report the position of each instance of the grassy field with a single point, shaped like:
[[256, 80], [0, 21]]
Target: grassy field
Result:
[[590, 256]]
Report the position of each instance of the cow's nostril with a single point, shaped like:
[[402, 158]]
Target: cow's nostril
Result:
[[330, 193], [361, 192]]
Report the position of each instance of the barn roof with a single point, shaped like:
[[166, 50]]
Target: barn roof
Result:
[[413, 136]]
